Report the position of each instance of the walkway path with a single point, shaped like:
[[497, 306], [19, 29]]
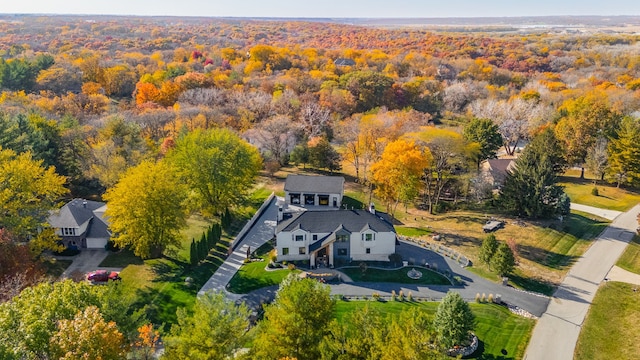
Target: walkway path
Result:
[[557, 331], [619, 274], [603, 213], [261, 232]]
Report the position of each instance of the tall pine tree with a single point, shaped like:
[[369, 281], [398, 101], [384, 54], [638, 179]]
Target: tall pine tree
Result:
[[193, 253], [530, 189]]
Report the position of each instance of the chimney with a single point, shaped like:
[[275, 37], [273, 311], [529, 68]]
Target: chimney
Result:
[[84, 203], [280, 213], [372, 208]]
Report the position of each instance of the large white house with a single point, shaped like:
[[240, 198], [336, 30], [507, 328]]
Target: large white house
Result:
[[81, 224], [339, 236], [314, 191]]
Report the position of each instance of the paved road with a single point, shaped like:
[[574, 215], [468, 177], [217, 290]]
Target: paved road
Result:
[[262, 231], [557, 331], [603, 213]]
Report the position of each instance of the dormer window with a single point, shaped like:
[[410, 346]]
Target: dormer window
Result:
[[68, 231], [299, 238], [368, 237]]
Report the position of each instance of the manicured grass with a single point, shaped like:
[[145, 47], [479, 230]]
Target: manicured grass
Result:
[[609, 196], [254, 275], [159, 283], [612, 324], [412, 231], [498, 329], [630, 259], [121, 259], [55, 267], [546, 248], [396, 276]]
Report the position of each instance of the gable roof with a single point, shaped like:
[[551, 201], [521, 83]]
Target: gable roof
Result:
[[331, 220], [498, 168], [314, 184], [75, 213], [344, 62]]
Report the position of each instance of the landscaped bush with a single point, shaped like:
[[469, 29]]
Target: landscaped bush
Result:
[[594, 191]]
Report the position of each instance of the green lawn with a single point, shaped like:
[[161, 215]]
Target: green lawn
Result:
[[612, 324], [121, 259], [55, 267], [496, 327], [412, 231], [609, 197], [254, 275], [397, 276], [630, 259]]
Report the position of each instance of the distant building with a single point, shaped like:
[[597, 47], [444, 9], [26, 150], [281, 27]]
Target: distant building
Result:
[[309, 191], [81, 224], [327, 238], [494, 171], [344, 62]]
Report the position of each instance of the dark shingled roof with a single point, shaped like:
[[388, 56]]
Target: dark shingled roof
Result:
[[314, 184], [77, 212], [74, 213], [330, 220]]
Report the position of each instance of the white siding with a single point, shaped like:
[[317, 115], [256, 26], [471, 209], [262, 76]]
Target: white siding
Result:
[[383, 246]]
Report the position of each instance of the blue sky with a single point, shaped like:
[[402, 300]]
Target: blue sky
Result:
[[327, 8]]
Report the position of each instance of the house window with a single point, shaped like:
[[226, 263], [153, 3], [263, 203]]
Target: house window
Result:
[[68, 231], [368, 250], [299, 237], [342, 238], [302, 250], [342, 252], [367, 237], [315, 237], [285, 251]]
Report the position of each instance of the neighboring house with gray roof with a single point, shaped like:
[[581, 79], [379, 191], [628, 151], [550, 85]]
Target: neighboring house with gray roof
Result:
[[82, 224], [494, 171], [305, 190], [340, 236]]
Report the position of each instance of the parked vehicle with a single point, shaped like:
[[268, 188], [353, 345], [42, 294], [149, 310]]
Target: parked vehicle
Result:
[[492, 225], [103, 276]]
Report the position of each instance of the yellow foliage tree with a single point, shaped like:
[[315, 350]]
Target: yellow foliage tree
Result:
[[397, 174], [88, 337]]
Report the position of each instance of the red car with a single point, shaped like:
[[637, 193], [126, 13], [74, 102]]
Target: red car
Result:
[[102, 276]]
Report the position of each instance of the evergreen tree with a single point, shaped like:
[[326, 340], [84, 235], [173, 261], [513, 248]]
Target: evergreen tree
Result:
[[210, 238], [453, 321], [503, 260], [624, 153], [530, 189], [488, 249], [193, 253]]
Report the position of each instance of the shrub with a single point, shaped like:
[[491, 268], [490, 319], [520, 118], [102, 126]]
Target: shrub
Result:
[[484, 298], [477, 297], [375, 296], [401, 295], [490, 298], [393, 295], [291, 267], [595, 192], [410, 296]]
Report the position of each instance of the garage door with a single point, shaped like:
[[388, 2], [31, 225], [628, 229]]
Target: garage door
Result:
[[96, 243]]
